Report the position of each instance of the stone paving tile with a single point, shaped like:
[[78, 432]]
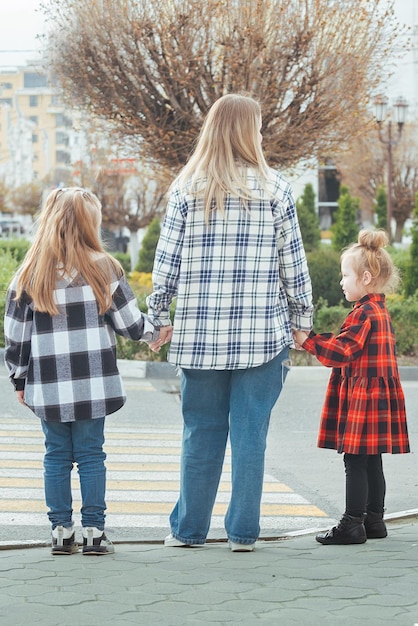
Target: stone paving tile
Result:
[[284, 583]]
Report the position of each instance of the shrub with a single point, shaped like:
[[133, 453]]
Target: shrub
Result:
[[16, 247], [345, 229], [328, 319], [141, 282], [124, 259], [411, 270], [148, 247], [404, 314], [324, 269], [8, 266], [308, 219]]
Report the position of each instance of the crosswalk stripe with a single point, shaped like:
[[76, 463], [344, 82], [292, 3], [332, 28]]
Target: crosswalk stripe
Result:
[[143, 473], [163, 508], [132, 485]]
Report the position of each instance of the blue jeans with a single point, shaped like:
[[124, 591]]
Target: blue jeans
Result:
[[215, 403], [82, 443]]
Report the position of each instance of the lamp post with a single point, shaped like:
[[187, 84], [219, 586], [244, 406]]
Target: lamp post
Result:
[[381, 114]]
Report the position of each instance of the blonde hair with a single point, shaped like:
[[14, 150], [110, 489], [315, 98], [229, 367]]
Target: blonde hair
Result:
[[228, 143], [67, 241], [369, 255]]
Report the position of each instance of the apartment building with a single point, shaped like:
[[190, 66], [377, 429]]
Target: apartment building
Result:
[[35, 127]]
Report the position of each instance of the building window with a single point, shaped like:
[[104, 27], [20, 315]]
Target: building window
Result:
[[6, 85], [33, 79], [6, 101], [33, 101], [34, 138], [62, 157], [62, 120], [56, 100], [34, 119], [61, 138], [328, 192]]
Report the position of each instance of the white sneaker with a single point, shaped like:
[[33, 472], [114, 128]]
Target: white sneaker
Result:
[[241, 547], [95, 542], [172, 542], [63, 540]]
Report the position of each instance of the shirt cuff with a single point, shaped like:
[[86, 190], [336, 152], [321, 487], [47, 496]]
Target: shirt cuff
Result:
[[18, 383]]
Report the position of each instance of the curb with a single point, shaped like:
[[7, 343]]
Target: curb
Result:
[[161, 370], [401, 516]]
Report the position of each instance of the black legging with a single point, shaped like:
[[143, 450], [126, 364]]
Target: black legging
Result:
[[365, 485]]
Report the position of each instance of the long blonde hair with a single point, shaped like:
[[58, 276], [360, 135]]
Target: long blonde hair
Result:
[[228, 143], [369, 255], [67, 242]]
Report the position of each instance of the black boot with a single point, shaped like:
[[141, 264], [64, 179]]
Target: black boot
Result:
[[375, 526], [348, 530]]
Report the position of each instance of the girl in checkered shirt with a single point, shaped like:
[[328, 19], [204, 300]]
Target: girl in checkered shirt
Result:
[[63, 308], [364, 410]]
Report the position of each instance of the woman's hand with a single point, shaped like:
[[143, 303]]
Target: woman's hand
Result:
[[165, 335]]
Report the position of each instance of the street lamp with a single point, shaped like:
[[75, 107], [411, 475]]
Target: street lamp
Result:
[[381, 113]]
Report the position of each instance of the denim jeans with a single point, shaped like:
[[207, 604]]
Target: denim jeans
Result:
[[216, 403], [82, 443]]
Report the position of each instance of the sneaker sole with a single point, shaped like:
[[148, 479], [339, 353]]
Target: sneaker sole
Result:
[[63, 551], [97, 552], [341, 543], [242, 547]]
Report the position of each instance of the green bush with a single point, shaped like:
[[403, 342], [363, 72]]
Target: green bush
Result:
[[124, 259], [324, 269], [148, 247], [400, 257], [404, 314], [16, 247], [8, 266], [328, 319]]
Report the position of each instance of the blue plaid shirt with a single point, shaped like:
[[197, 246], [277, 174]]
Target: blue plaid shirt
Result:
[[241, 282]]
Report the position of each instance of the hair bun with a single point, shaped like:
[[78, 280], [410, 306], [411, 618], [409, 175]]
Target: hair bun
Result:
[[373, 239]]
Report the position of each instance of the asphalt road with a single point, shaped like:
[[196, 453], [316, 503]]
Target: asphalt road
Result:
[[153, 406]]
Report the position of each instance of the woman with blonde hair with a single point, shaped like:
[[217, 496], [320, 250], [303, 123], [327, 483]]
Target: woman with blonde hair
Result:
[[231, 251], [64, 306]]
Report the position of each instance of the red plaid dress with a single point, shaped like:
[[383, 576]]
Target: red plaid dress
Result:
[[364, 408]]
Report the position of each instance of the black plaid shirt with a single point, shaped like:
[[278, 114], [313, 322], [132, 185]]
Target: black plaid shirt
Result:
[[66, 363]]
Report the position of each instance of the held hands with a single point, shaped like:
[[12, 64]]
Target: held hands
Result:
[[164, 337], [299, 337]]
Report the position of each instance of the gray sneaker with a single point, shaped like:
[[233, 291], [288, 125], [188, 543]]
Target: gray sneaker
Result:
[[95, 542], [63, 540]]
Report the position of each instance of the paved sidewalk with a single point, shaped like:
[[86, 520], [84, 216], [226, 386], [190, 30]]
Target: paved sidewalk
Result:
[[294, 581]]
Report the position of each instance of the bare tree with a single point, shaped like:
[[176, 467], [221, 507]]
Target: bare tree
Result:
[[155, 68], [363, 168], [27, 198], [130, 188], [405, 178]]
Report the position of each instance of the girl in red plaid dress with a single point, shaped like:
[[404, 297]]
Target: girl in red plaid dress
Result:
[[364, 409]]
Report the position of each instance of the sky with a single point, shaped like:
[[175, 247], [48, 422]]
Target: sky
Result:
[[22, 20]]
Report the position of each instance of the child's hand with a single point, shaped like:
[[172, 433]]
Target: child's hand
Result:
[[300, 337], [20, 396]]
